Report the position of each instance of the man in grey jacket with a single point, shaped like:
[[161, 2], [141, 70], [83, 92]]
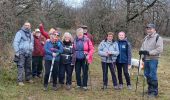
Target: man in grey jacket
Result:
[[23, 47], [151, 48]]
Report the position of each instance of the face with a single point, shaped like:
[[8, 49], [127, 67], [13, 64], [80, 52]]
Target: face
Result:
[[37, 34], [150, 31], [121, 36], [67, 38], [27, 25], [110, 37], [84, 30], [80, 35], [54, 37]]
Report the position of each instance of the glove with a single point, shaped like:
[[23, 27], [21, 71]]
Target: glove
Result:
[[53, 49], [143, 52]]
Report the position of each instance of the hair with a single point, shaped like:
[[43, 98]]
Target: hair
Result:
[[110, 33], [51, 30], [67, 34], [79, 31]]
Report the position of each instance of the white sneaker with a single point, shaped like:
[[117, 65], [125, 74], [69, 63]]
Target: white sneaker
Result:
[[20, 83]]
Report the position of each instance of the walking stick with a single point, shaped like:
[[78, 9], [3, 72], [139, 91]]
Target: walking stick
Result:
[[87, 64], [52, 65], [138, 74], [144, 78], [105, 65]]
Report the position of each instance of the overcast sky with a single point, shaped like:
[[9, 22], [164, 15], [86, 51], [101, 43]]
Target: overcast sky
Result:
[[74, 3]]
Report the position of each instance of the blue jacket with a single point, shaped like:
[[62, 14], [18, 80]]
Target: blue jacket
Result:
[[106, 46], [124, 52], [53, 48], [23, 42]]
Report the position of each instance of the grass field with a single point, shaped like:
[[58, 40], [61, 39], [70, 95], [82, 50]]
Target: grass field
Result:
[[9, 90]]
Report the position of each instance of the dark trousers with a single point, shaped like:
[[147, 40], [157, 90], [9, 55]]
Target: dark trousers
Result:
[[123, 66], [24, 64], [68, 69], [81, 66], [105, 73], [150, 71], [54, 72], [37, 65]]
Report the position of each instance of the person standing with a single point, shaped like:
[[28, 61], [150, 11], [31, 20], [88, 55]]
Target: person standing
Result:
[[151, 48], [108, 51], [53, 49], [124, 59], [88, 35], [65, 61], [38, 53], [82, 56], [23, 47]]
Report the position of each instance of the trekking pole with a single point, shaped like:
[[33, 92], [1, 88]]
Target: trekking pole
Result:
[[138, 74], [144, 78], [52, 65], [105, 65], [87, 64]]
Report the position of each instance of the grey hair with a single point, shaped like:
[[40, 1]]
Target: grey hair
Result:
[[67, 34], [79, 31]]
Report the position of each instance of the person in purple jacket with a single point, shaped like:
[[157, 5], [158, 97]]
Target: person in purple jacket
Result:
[[123, 59]]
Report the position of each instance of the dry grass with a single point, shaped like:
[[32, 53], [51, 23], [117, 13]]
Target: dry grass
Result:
[[10, 91]]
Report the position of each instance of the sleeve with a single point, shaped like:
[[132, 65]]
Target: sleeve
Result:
[[159, 47], [32, 42], [16, 42], [60, 50], [91, 48], [47, 48], [43, 32], [100, 50], [129, 53]]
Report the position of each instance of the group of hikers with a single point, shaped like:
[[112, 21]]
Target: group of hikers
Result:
[[64, 54]]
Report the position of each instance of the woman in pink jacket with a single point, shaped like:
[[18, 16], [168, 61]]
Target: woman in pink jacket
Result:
[[82, 56]]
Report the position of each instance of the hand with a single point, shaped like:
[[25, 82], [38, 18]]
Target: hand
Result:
[[47, 40], [143, 52], [40, 24], [53, 49], [87, 57], [54, 54], [17, 54], [129, 66]]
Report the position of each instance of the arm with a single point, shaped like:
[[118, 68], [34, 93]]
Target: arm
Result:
[[158, 49], [17, 42], [91, 48], [100, 50], [47, 48], [116, 50], [129, 53], [45, 34]]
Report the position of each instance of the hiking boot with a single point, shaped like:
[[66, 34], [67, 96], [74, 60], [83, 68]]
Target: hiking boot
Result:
[[151, 96], [30, 81], [116, 87], [54, 88], [68, 87], [85, 88], [78, 87], [104, 87], [120, 86], [45, 88], [20, 83], [129, 87]]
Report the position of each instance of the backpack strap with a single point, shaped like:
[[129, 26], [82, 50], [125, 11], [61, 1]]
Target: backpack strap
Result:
[[157, 37]]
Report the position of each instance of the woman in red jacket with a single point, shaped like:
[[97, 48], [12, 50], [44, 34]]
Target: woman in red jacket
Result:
[[38, 53]]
